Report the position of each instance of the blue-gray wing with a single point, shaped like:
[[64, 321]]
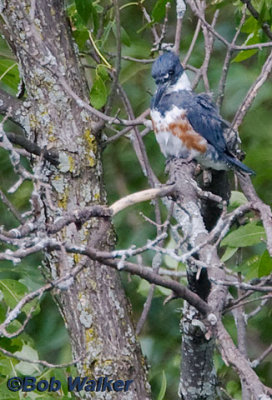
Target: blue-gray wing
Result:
[[202, 115]]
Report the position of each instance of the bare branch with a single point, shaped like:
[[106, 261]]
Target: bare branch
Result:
[[192, 44], [256, 15], [65, 281], [40, 362], [258, 205], [252, 93], [33, 148], [239, 301], [260, 359], [12, 105], [11, 207], [180, 10], [138, 197], [244, 286], [149, 21], [146, 309], [225, 69], [13, 314], [118, 56], [82, 104], [220, 37], [233, 357]]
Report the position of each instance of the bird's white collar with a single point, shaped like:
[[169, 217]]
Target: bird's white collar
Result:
[[183, 83]]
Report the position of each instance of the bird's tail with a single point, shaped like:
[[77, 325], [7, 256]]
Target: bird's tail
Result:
[[239, 165]]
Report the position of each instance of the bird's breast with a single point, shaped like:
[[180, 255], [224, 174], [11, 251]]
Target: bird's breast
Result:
[[175, 134]]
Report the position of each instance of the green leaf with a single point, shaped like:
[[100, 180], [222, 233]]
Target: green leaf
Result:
[[243, 55], [237, 199], [158, 11], [265, 265], [106, 33], [12, 291], [125, 39], [84, 9], [143, 288], [102, 71], [230, 251], [251, 25], [99, 94], [9, 73], [26, 368], [163, 387], [163, 291], [247, 235], [5, 393], [7, 366], [81, 36]]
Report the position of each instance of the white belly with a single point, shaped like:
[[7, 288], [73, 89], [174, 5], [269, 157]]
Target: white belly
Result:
[[171, 145]]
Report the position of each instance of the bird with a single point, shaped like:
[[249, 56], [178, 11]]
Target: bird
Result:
[[186, 124]]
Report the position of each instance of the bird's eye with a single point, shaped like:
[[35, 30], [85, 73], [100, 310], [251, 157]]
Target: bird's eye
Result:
[[171, 72]]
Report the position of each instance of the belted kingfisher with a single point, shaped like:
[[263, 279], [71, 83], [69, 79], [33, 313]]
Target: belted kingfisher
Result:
[[188, 125]]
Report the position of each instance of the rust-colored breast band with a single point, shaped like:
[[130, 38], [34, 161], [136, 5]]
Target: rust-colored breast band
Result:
[[191, 139]]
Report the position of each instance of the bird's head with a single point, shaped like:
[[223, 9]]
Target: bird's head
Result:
[[167, 71]]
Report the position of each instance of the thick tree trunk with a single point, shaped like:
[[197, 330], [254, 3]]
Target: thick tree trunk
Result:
[[93, 305], [198, 378]]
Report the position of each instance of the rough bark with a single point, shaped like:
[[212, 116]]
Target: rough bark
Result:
[[94, 307], [198, 379]]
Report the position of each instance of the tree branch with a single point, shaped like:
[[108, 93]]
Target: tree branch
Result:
[[13, 106], [256, 15], [252, 93], [233, 357]]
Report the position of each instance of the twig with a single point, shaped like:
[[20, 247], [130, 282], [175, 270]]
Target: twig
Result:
[[252, 93], [138, 197], [10, 206], [40, 362], [33, 148], [156, 263], [258, 205], [158, 44], [82, 104], [233, 357], [258, 360], [14, 159], [149, 275], [239, 302], [222, 83], [180, 10], [244, 286], [13, 314], [192, 44], [256, 15], [149, 21], [209, 41], [12, 105], [118, 56], [134, 59], [257, 309], [146, 309], [144, 272], [221, 38]]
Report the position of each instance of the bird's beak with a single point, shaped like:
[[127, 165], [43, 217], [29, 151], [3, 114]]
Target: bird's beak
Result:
[[160, 90]]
